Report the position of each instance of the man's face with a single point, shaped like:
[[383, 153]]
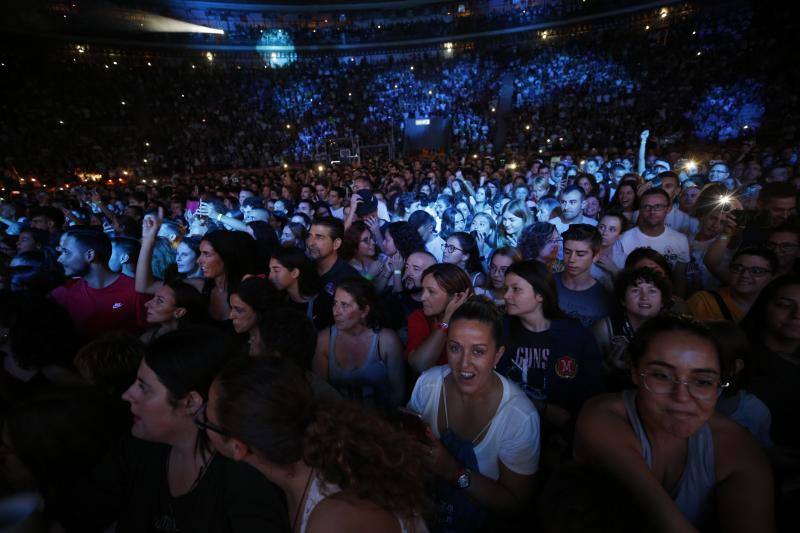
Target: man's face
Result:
[[72, 258], [571, 205], [334, 199], [578, 257], [786, 245], [558, 172], [244, 195], [749, 274], [305, 193], [718, 172], [670, 185], [359, 184], [780, 209], [322, 192], [40, 222], [319, 242], [415, 266], [653, 210], [305, 208]]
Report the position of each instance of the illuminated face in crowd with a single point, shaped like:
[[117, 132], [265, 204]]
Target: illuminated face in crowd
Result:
[[211, 264], [472, 354], [571, 205], [678, 355], [643, 299], [578, 257], [346, 312], [610, 230], [320, 244], [591, 207], [512, 224]]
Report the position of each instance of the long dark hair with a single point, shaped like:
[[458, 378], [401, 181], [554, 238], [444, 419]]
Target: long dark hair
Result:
[[238, 252], [291, 258], [260, 294], [754, 322], [406, 237], [538, 276], [268, 403], [470, 246]]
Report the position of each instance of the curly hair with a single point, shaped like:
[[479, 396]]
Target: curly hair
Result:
[[406, 238], [268, 403]]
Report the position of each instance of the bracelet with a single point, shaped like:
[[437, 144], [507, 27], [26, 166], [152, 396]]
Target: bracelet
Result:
[[724, 237], [443, 326], [397, 272], [219, 217]]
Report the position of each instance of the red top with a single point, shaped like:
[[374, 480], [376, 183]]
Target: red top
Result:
[[94, 312], [419, 329]]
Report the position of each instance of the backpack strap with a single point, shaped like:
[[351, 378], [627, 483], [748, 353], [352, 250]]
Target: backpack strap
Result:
[[723, 307]]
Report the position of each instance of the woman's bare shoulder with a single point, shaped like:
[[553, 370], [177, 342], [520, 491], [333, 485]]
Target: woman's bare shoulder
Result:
[[341, 513]]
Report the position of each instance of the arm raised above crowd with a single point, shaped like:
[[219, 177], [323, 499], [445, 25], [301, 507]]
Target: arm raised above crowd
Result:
[[146, 283]]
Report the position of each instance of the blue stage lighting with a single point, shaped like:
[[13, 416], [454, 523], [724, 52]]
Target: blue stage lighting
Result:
[[276, 47]]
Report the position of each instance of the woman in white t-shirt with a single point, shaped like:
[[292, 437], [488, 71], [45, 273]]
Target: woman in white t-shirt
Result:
[[484, 431]]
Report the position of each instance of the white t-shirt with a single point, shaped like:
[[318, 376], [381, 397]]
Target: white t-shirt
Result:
[[673, 245], [434, 247], [677, 220], [513, 436], [562, 226]]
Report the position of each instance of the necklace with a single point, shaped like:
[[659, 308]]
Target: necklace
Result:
[[300, 502], [202, 471]]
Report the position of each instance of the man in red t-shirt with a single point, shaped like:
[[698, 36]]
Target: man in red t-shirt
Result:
[[97, 300]]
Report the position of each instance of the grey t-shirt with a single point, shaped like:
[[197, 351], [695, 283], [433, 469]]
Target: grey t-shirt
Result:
[[588, 306]]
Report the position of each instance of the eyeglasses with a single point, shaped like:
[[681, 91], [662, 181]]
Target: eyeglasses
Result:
[[782, 246], [700, 388], [554, 240], [498, 270], [656, 208], [753, 271], [201, 421], [449, 248]]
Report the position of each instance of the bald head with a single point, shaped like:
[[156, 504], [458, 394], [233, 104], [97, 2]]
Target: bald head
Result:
[[416, 264]]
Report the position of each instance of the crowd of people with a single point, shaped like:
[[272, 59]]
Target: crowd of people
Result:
[[602, 337], [151, 114], [419, 344]]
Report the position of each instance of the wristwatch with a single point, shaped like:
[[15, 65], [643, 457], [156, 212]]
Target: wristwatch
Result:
[[463, 478], [444, 326]]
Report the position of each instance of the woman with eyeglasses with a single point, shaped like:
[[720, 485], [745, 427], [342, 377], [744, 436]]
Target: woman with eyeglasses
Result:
[[690, 468], [339, 467], [751, 268], [494, 287], [359, 249], [171, 477], [461, 249]]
